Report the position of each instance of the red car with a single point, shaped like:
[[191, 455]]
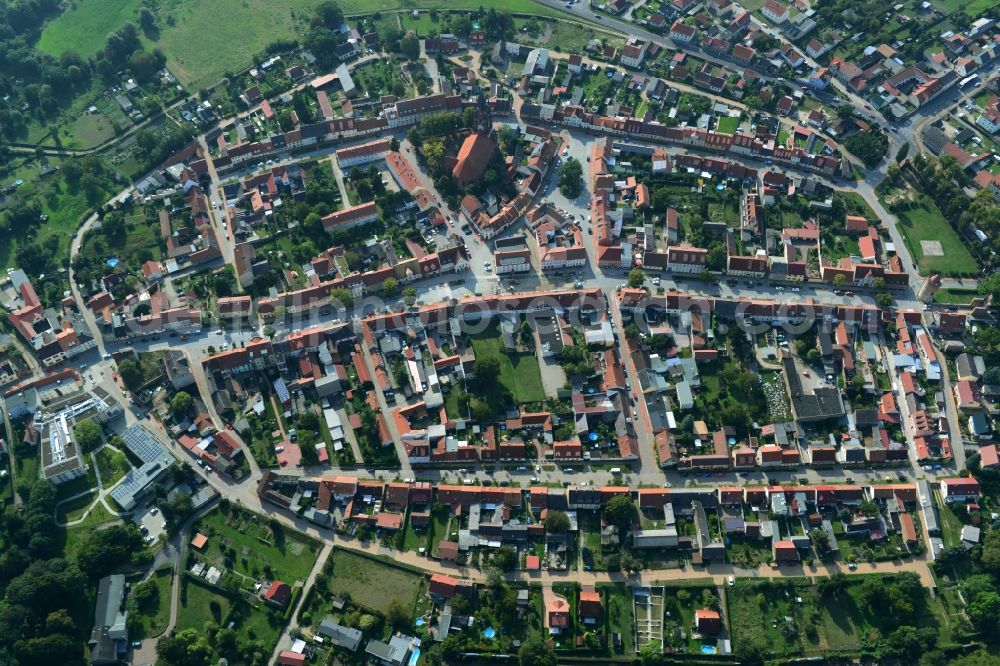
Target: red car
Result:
[[229, 426], [849, 293]]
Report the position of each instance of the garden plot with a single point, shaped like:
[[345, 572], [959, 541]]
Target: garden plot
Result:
[[647, 605]]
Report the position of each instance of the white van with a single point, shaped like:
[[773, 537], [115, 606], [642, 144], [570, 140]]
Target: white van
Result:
[[616, 470]]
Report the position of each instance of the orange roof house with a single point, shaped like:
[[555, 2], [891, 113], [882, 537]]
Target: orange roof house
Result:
[[556, 613], [589, 605], [708, 621], [199, 541], [279, 593]]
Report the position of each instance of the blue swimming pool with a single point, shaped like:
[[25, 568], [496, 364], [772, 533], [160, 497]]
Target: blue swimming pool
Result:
[[414, 656], [489, 633], [708, 649], [420, 621]]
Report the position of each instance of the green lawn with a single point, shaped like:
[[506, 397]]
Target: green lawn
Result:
[[951, 526], [959, 296], [112, 465], [370, 583], [156, 616], [424, 24], [926, 222], [617, 600], [856, 205], [519, 372], [86, 25], [73, 509], [728, 125], [200, 604], [289, 554]]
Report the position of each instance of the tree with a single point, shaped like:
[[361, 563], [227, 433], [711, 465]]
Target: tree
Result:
[[181, 405], [396, 615], [984, 610], [394, 144], [820, 541], [870, 145], [571, 178], [487, 370], [883, 299], [636, 278], [556, 521], [410, 295], [328, 15], [184, 648], [716, 258], [410, 46], [103, 550], [390, 286], [145, 593], [977, 584], [620, 510], [341, 297], [130, 374], [990, 286], [88, 435], [839, 280], [868, 508], [989, 556], [536, 652], [903, 151]]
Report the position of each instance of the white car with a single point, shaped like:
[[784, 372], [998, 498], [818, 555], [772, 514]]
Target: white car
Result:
[[730, 581]]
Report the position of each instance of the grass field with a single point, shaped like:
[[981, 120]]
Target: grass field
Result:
[[208, 39], [926, 222], [370, 583], [86, 25], [289, 555], [200, 605], [519, 372], [91, 129], [156, 617]]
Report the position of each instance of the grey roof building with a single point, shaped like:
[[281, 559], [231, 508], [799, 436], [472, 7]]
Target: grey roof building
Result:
[[155, 462], [339, 635], [109, 637]]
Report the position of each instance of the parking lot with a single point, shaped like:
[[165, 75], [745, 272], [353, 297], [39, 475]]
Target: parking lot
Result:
[[150, 522]]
